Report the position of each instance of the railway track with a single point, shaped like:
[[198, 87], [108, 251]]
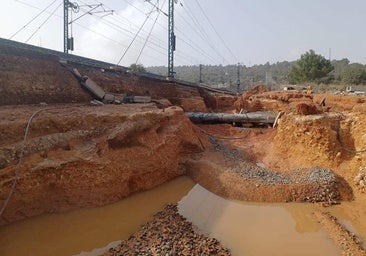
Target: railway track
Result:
[[13, 47]]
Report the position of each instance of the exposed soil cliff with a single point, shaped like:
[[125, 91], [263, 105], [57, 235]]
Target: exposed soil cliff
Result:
[[90, 156]]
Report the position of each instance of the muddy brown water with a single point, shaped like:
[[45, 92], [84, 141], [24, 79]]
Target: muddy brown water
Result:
[[245, 228], [253, 229], [82, 230]]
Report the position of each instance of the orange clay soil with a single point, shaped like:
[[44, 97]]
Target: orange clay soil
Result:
[[84, 156], [333, 137]]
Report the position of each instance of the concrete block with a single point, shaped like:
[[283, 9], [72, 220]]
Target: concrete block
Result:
[[141, 99], [108, 98], [95, 89]]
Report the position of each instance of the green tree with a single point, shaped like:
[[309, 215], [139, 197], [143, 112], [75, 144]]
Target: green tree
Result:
[[137, 68], [311, 67], [339, 68], [354, 74]]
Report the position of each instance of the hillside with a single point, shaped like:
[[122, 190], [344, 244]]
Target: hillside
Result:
[[344, 73]]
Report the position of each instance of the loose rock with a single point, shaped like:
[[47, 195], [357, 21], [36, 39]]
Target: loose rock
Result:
[[169, 233]]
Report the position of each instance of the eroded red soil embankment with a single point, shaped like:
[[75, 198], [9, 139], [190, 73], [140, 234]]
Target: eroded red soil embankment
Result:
[[31, 78], [259, 98], [81, 156], [315, 129]]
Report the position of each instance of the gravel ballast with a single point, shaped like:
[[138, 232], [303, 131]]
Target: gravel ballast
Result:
[[169, 233]]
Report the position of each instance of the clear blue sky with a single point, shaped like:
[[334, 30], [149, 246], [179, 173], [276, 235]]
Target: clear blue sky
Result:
[[249, 31]]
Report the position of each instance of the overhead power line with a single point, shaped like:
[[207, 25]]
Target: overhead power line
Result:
[[193, 44], [147, 38], [157, 7], [35, 17], [204, 36], [133, 40], [43, 22], [155, 44], [213, 27], [86, 28], [190, 44], [127, 32]]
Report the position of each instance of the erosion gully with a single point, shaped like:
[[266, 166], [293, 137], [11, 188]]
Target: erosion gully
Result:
[[245, 228]]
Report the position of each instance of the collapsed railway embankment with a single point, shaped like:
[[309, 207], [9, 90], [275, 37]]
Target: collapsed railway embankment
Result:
[[77, 155]]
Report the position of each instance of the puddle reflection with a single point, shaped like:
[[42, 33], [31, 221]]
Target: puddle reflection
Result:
[[257, 229]]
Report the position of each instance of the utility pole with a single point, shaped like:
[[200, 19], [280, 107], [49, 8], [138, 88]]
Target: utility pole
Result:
[[75, 7], [68, 41], [66, 26], [238, 81], [200, 73], [330, 54], [171, 39], [266, 83]]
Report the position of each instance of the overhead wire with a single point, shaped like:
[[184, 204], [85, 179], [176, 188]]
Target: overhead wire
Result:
[[181, 57], [43, 23], [215, 30], [148, 37], [152, 44], [83, 26], [192, 45], [120, 29], [126, 32], [159, 9], [35, 17], [201, 31], [186, 59], [166, 29], [60, 17], [196, 47], [157, 42], [204, 36], [133, 40]]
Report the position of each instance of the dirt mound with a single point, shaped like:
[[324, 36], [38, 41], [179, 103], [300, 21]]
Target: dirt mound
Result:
[[340, 102], [306, 141], [304, 107], [257, 100], [258, 89], [247, 102], [91, 156], [168, 233], [260, 99], [234, 177]]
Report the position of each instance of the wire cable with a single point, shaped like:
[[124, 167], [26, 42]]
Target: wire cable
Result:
[[181, 57], [124, 31], [133, 40], [86, 28], [35, 17], [147, 39], [204, 36], [44, 22], [213, 27], [17, 169], [192, 45]]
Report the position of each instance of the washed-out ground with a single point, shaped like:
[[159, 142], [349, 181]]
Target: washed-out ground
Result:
[[79, 155]]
